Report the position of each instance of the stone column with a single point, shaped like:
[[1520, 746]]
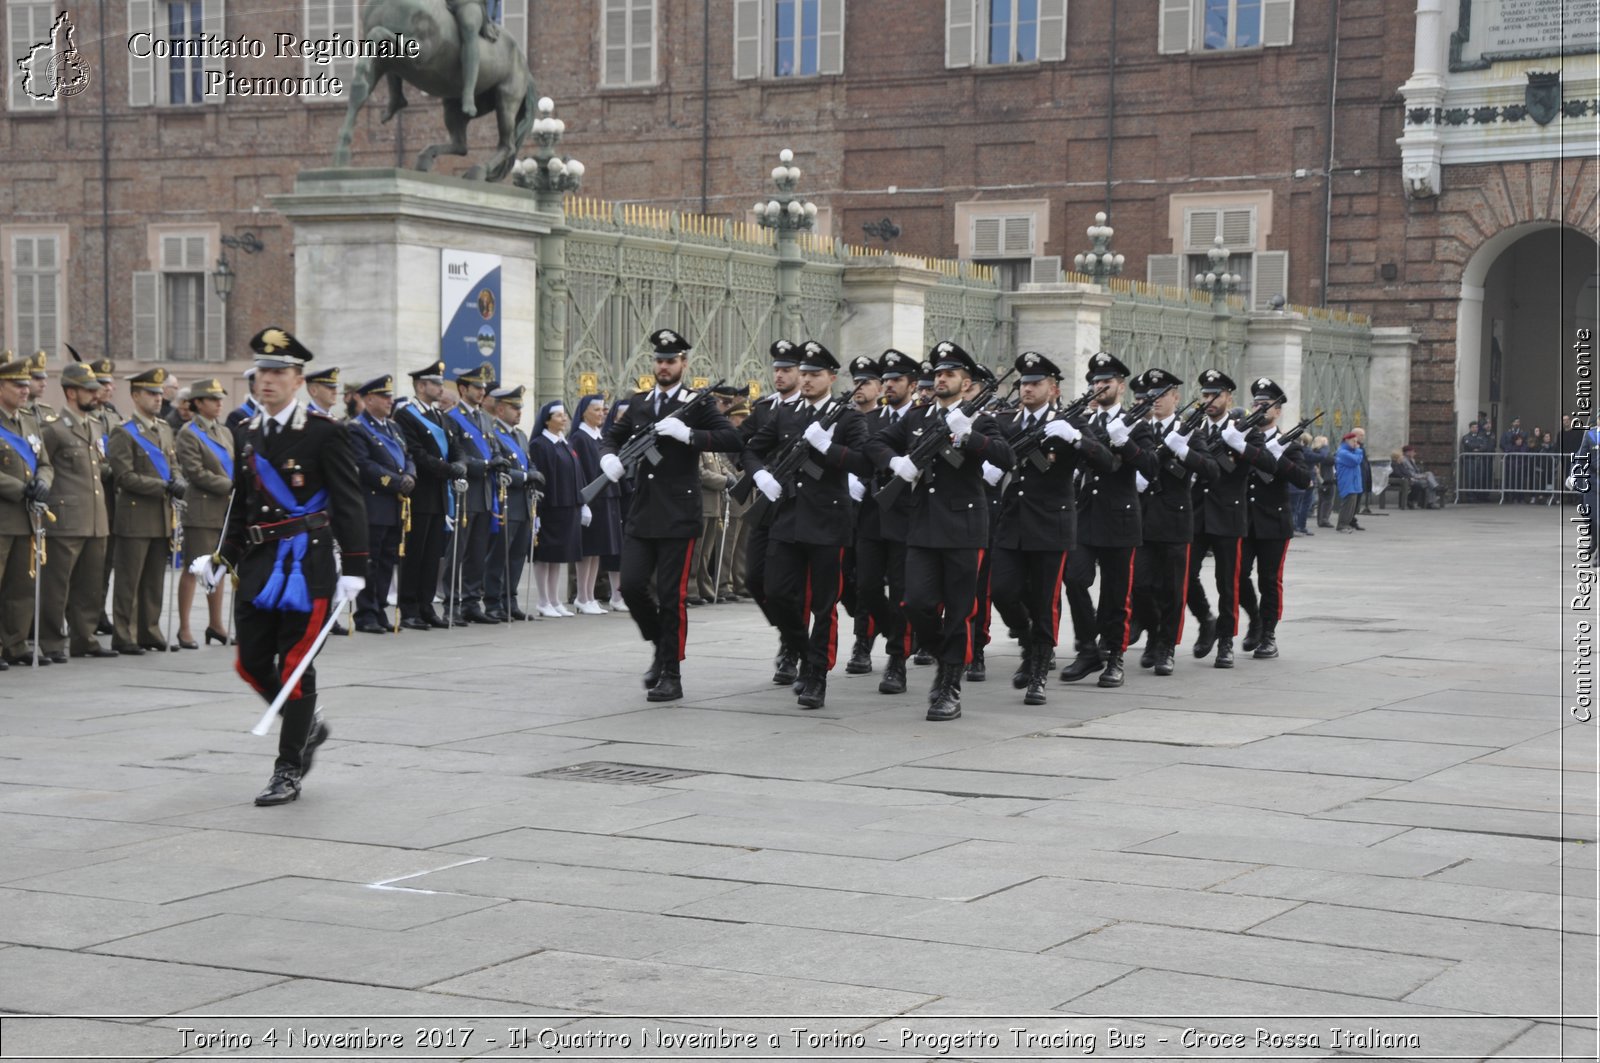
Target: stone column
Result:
[[886, 300], [367, 259], [1275, 347], [1389, 388], [551, 378], [1062, 322], [1421, 147], [791, 263]]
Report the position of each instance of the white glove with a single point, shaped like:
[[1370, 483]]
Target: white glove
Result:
[[858, 490], [349, 587], [458, 486], [586, 515], [1178, 443], [1061, 428], [537, 524], [1570, 485], [208, 572], [992, 474], [673, 428], [611, 465], [903, 467], [1138, 478], [768, 485], [960, 425], [1119, 431], [819, 437], [1232, 436], [1276, 447]]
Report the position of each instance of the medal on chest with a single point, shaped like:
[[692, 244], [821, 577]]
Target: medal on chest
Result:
[[293, 473]]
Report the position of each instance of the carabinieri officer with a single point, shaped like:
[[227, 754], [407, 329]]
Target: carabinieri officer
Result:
[[295, 491]]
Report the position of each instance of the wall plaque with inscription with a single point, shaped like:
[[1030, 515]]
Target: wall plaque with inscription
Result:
[[1493, 30]]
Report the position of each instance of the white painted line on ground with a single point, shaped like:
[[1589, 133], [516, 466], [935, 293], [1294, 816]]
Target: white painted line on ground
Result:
[[384, 884]]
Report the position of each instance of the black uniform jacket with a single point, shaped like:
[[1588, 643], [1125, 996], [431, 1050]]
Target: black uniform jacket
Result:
[[1039, 512], [815, 509], [666, 496], [1109, 511], [1270, 513], [482, 485], [949, 506], [1220, 508], [433, 468], [310, 454], [380, 472], [1169, 501], [872, 520]]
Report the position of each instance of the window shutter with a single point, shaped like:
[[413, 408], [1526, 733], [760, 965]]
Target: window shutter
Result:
[[960, 32], [830, 37], [141, 72], [215, 344], [1239, 229], [1177, 26], [146, 316], [1277, 22], [614, 45], [1052, 30], [1200, 228], [1270, 271], [1045, 270], [1018, 240], [986, 237], [214, 21], [1165, 271], [642, 70], [747, 38], [514, 18]]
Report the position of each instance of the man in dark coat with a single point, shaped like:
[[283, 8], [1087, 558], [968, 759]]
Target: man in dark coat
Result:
[[388, 477], [785, 391], [1277, 464], [435, 452], [522, 480], [481, 454]]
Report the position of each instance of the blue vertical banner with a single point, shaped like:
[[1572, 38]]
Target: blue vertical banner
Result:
[[469, 311]]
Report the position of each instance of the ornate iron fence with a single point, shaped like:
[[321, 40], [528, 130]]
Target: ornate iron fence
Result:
[[1335, 368], [1179, 330]]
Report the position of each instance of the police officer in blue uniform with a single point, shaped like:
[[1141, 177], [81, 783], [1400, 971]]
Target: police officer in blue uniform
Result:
[[435, 452], [521, 481], [484, 461], [388, 477]]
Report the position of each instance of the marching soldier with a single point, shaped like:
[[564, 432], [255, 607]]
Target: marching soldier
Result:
[[26, 477], [1038, 519], [297, 492], [205, 455], [522, 480], [1161, 570], [1277, 463], [1109, 529], [72, 592], [664, 515], [484, 462], [435, 452], [977, 668], [948, 522], [388, 477], [38, 383], [322, 390], [881, 541], [145, 461], [1221, 514], [812, 521], [785, 391]]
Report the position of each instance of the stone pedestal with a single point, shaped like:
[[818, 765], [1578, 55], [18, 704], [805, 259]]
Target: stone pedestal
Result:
[[1389, 388], [367, 246], [1275, 347], [886, 299], [1062, 322]]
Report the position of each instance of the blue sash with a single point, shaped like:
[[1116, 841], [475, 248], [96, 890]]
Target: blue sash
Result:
[[512, 445], [286, 591], [475, 434], [391, 445], [223, 454], [23, 448], [153, 452], [443, 443]]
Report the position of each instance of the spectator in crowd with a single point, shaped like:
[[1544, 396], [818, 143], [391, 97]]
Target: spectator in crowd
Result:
[[1477, 463], [1571, 436], [1515, 476], [1321, 458], [1366, 478], [1510, 435], [1421, 488], [1350, 460], [1300, 502]]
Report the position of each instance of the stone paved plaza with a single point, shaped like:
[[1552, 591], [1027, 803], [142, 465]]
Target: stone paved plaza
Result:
[[1391, 826]]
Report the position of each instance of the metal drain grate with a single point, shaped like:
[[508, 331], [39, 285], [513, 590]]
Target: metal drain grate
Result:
[[612, 772]]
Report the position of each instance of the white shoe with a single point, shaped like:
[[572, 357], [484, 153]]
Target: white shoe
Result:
[[591, 609], [618, 605], [562, 610], [549, 611]]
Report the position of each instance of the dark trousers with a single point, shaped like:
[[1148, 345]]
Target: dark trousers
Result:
[[1199, 604], [1160, 586], [419, 569], [755, 577], [1227, 555], [803, 587], [984, 612], [1267, 557], [474, 558], [141, 566], [497, 595], [1027, 591], [941, 597], [655, 581], [383, 544], [881, 563], [271, 645], [1109, 620]]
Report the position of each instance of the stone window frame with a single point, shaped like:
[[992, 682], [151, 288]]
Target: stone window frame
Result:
[[149, 77], [755, 40], [630, 46], [971, 214], [60, 236], [149, 304], [20, 41], [1181, 27], [966, 38]]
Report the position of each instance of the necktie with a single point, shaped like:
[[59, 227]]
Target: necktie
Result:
[[272, 429]]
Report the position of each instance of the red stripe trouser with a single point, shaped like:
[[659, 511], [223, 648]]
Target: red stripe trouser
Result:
[[1112, 614], [1027, 591], [803, 586], [655, 578], [941, 599], [271, 644]]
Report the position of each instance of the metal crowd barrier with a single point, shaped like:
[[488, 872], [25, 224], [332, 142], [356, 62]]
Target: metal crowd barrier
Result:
[[1495, 476]]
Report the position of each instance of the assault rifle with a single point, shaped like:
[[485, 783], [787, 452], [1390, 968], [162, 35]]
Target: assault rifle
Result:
[[1256, 416], [1029, 446], [642, 445], [1295, 432], [795, 457], [935, 440]]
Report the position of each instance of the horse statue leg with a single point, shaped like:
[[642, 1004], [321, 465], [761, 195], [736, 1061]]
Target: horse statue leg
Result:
[[397, 95], [366, 75], [455, 123]]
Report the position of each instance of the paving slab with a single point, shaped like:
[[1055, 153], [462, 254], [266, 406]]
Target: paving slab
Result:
[[1415, 935], [58, 982], [868, 841], [1146, 904], [1189, 728], [931, 877], [1402, 723], [67, 921], [1286, 853], [1334, 755], [1283, 791]]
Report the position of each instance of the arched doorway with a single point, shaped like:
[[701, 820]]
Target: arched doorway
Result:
[[1524, 293]]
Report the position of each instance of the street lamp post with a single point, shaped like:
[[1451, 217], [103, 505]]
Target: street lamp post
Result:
[[550, 177], [1217, 280], [1101, 262], [788, 215]]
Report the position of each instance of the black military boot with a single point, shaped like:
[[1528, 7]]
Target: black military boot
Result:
[[977, 671], [815, 691], [1206, 637], [802, 678], [1024, 673], [1267, 648], [319, 734], [1112, 676], [860, 658], [1038, 679], [669, 687], [922, 656], [1224, 653], [653, 674], [938, 682], [1164, 660], [1152, 648], [785, 667], [947, 696], [283, 787], [1088, 660], [894, 676], [1252, 635]]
